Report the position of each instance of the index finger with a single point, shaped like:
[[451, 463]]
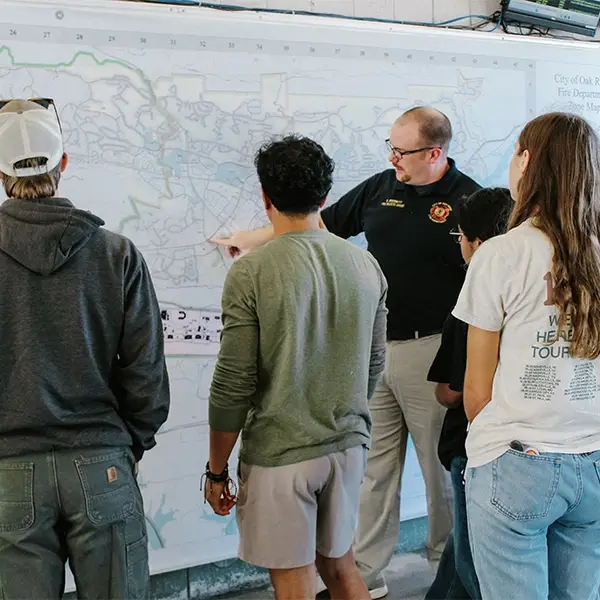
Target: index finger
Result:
[[222, 241]]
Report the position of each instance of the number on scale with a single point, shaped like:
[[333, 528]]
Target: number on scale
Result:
[[259, 47]]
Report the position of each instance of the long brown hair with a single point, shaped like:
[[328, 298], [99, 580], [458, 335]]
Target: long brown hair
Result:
[[560, 191]]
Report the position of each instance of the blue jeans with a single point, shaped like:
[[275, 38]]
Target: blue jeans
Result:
[[456, 578], [81, 505], [534, 526]]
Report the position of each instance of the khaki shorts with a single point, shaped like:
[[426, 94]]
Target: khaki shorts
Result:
[[287, 514]]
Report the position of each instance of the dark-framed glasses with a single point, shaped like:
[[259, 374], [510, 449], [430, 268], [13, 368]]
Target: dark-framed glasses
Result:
[[402, 153]]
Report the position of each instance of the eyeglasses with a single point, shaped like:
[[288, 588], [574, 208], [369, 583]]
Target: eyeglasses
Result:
[[402, 153], [457, 235], [43, 102]]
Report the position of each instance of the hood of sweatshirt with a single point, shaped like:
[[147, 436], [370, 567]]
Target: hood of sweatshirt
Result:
[[46, 233]]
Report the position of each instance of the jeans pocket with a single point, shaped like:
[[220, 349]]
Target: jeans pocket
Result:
[[597, 465], [523, 485], [108, 487], [138, 574], [17, 511]]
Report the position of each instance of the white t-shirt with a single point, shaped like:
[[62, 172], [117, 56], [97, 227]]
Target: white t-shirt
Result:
[[541, 396]]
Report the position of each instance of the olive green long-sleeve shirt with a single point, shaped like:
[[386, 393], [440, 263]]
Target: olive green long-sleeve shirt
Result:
[[302, 347]]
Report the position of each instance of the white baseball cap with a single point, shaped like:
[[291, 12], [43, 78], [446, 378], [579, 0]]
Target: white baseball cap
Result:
[[29, 129]]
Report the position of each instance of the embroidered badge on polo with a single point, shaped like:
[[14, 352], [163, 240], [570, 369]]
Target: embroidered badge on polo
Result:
[[440, 212]]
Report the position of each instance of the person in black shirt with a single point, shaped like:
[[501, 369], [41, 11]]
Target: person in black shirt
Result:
[[480, 216], [406, 213]]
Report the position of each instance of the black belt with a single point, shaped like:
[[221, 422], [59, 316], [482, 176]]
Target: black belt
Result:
[[403, 336]]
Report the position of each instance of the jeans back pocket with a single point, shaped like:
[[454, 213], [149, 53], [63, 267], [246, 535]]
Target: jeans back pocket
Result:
[[17, 511], [524, 485], [108, 487]]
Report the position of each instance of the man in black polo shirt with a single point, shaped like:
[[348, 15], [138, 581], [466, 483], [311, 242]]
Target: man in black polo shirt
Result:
[[406, 214]]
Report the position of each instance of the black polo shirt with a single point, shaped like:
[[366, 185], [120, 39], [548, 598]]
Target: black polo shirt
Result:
[[449, 367], [407, 229]]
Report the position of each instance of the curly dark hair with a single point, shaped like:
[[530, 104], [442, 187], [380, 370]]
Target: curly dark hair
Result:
[[295, 174], [485, 213]]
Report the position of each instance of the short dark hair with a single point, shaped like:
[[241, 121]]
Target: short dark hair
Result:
[[434, 126], [485, 213], [295, 174]]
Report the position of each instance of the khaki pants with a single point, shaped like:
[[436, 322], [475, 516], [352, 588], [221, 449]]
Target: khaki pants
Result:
[[403, 403]]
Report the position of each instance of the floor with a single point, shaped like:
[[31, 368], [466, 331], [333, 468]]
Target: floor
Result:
[[408, 577]]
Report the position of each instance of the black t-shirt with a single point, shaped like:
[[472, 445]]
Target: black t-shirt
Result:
[[449, 367], [407, 229]]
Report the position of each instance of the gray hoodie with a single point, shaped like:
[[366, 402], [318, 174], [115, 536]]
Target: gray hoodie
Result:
[[81, 355]]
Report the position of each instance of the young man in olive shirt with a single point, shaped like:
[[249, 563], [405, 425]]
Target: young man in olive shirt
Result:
[[302, 348], [406, 214]]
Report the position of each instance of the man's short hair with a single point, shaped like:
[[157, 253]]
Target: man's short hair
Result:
[[434, 126], [295, 174]]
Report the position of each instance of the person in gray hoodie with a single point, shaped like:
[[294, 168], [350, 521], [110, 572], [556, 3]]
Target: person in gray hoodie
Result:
[[83, 380]]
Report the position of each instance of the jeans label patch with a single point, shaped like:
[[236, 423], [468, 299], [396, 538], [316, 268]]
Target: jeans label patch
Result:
[[111, 474]]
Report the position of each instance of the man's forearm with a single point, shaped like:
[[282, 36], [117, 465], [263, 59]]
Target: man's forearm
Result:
[[221, 446]]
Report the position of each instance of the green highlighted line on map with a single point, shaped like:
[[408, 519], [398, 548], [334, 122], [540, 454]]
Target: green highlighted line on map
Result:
[[79, 54]]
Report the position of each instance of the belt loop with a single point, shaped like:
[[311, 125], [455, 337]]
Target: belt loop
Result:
[[416, 335]]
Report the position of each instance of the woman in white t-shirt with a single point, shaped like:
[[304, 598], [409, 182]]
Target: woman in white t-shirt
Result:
[[532, 386]]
